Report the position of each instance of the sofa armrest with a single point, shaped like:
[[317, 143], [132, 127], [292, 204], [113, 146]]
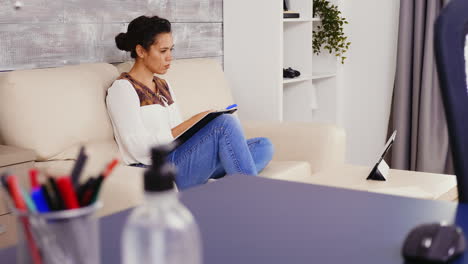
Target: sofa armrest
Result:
[[319, 144]]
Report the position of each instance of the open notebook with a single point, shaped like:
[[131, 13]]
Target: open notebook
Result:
[[189, 132]]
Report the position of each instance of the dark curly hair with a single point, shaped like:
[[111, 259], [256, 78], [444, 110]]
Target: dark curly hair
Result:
[[142, 31]]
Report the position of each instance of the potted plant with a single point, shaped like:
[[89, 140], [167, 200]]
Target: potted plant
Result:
[[330, 34]]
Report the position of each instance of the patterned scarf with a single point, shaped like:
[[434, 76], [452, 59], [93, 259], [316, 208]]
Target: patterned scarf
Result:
[[146, 95]]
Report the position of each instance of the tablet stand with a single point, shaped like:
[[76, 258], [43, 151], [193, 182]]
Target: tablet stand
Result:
[[381, 168], [379, 172]]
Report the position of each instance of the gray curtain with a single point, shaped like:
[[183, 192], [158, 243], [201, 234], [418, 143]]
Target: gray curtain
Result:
[[417, 111]]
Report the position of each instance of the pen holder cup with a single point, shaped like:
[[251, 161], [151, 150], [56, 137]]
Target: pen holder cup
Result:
[[65, 237]]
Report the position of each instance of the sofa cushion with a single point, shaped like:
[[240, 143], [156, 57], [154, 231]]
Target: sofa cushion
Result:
[[50, 110], [199, 85], [284, 170], [99, 153]]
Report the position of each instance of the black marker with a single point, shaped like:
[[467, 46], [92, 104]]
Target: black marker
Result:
[[79, 164], [56, 193]]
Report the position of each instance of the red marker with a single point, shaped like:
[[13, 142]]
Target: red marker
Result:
[[67, 193], [110, 167], [33, 179], [16, 193], [21, 206]]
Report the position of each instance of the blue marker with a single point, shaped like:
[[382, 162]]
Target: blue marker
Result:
[[40, 200], [231, 106]]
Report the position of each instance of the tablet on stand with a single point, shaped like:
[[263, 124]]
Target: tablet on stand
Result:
[[381, 169]]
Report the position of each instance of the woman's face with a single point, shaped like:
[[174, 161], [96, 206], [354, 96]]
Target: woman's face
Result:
[[159, 56]]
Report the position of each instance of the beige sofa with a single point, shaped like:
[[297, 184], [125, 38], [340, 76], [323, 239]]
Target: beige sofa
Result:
[[55, 111]]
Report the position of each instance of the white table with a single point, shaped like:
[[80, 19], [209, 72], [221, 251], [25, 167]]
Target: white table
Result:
[[400, 182]]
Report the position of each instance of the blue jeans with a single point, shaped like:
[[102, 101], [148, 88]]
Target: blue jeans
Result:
[[217, 149]]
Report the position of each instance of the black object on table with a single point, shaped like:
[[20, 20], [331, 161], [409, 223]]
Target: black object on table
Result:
[[247, 219], [450, 30]]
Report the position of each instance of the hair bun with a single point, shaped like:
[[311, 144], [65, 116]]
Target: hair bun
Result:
[[142, 31], [122, 42]]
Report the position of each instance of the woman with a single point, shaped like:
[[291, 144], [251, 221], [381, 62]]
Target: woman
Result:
[[144, 113]]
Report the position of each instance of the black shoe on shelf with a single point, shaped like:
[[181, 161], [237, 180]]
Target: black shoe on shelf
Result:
[[290, 73]]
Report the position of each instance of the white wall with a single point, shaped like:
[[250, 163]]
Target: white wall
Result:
[[368, 75]]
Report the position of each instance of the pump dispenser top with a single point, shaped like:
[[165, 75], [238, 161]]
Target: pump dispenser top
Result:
[[159, 177]]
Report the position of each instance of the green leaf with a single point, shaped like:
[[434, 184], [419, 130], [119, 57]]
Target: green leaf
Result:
[[330, 34]]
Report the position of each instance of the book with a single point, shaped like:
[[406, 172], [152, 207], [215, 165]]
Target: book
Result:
[[189, 132], [290, 14]]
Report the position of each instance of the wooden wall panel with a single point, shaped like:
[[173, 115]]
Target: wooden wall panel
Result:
[[103, 11], [111, 11], [33, 11], [197, 40], [40, 45], [25, 46], [187, 11], [105, 46], [48, 33]]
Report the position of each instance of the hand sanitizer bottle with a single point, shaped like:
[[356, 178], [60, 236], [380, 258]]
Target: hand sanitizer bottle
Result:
[[162, 230]]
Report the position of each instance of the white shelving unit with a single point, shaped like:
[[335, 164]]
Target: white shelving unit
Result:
[[258, 44], [292, 20], [298, 79]]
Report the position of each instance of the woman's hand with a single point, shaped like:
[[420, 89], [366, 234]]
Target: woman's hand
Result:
[[176, 131]]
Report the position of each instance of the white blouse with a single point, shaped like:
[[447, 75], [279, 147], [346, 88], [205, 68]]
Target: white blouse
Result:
[[139, 128]]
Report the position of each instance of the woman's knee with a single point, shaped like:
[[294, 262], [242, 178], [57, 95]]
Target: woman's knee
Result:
[[227, 122], [267, 147], [227, 118], [262, 150]]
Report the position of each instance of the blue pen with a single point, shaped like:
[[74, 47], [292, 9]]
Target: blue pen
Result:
[[40, 200], [231, 106]]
